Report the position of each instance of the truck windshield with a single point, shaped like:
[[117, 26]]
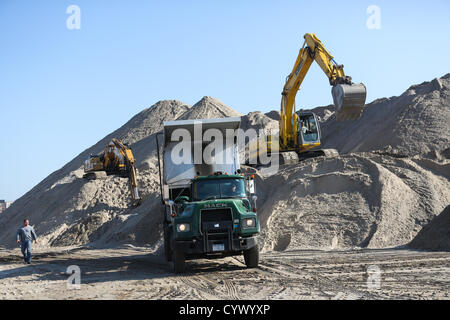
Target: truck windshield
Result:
[[219, 189]]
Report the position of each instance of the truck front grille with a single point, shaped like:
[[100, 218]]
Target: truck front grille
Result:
[[216, 215], [217, 228], [216, 220]]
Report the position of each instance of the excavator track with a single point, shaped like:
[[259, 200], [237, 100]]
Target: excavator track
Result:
[[288, 158], [292, 157], [94, 175]]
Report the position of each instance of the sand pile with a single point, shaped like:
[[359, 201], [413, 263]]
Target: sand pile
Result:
[[209, 108], [414, 123], [435, 235], [257, 120], [361, 199], [380, 192], [354, 200], [67, 209]]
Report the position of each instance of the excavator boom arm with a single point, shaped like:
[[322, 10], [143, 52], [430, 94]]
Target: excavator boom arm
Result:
[[131, 169], [349, 98]]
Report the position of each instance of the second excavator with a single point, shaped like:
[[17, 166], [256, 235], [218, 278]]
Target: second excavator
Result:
[[300, 131], [117, 158]]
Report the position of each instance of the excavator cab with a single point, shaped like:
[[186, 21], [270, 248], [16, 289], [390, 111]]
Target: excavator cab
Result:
[[93, 163], [308, 132]]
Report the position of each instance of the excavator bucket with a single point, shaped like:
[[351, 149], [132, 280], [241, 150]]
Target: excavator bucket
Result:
[[349, 100]]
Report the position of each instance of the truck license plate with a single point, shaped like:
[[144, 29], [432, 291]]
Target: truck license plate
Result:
[[218, 247]]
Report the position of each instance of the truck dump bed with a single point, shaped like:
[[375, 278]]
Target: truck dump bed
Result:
[[199, 147]]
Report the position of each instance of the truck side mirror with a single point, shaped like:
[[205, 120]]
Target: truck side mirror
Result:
[[171, 213], [251, 185], [254, 198]]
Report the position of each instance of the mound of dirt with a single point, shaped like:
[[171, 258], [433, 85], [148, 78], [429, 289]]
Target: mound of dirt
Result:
[[274, 115], [355, 200], [391, 179], [69, 210], [257, 120], [434, 236], [150, 120], [209, 108], [414, 123]]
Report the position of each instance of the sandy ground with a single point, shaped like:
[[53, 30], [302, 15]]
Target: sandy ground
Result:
[[135, 273]]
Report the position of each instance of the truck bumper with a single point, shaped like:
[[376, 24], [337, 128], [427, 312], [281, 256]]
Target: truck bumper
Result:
[[202, 248]]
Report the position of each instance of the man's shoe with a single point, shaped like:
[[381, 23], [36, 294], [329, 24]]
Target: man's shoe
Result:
[[28, 262]]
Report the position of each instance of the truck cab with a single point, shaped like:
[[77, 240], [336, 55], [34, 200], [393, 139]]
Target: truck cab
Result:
[[218, 220], [209, 215]]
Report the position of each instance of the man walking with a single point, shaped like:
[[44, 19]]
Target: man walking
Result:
[[25, 235]]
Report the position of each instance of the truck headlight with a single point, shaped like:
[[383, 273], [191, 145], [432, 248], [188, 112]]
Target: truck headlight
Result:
[[183, 227], [249, 223]]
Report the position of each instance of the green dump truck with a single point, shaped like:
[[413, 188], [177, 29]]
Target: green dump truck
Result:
[[209, 205]]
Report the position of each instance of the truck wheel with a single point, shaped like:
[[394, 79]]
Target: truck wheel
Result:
[[251, 257], [167, 248], [179, 261]]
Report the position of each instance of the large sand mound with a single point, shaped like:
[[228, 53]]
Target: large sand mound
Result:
[[435, 235], [209, 108], [391, 179], [67, 209], [354, 200], [414, 123]]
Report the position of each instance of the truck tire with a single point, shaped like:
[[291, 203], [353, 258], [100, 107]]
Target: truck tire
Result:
[[167, 248], [179, 261], [251, 257]]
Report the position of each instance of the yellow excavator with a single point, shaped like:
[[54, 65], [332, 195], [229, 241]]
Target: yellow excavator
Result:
[[117, 158], [300, 131]]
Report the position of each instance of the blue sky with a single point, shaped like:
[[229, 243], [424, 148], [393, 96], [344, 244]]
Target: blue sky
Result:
[[63, 90]]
